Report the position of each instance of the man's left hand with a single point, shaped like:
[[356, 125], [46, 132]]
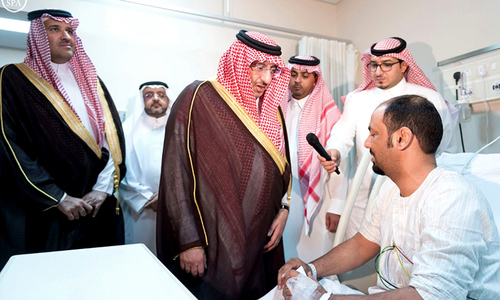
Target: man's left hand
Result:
[[95, 199], [276, 230], [152, 202]]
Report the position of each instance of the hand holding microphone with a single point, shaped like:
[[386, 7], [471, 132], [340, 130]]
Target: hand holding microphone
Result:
[[313, 140]]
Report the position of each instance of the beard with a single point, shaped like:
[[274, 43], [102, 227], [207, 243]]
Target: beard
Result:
[[377, 170], [156, 112]]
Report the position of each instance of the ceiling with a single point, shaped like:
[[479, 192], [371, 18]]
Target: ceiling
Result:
[[330, 1]]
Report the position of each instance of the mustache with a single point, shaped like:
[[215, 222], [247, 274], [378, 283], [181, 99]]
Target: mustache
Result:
[[65, 42], [261, 83]]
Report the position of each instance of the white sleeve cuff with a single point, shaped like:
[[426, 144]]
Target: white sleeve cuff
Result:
[[63, 197], [336, 206]]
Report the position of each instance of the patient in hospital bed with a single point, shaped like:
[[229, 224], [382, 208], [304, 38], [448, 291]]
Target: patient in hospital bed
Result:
[[432, 231]]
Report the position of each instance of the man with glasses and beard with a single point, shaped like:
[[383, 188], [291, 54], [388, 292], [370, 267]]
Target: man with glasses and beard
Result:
[[144, 134], [389, 71]]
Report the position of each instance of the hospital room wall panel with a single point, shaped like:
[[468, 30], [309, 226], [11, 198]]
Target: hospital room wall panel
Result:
[[132, 43], [435, 31]]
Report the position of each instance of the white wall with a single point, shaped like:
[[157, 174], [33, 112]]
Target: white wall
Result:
[[435, 31], [8, 55], [130, 44]]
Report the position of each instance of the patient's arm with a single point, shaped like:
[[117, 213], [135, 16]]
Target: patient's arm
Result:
[[407, 293], [347, 256]]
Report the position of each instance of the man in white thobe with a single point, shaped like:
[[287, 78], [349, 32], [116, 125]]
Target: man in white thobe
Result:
[[144, 134], [389, 71], [310, 108]]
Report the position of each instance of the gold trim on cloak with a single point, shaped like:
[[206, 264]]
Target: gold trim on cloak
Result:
[[113, 142], [250, 124], [74, 123], [188, 146], [256, 131], [61, 106], [12, 150]]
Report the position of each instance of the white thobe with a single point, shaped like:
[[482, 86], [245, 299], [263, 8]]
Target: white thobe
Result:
[[446, 229], [353, 126], [295, 241], [143, 160]]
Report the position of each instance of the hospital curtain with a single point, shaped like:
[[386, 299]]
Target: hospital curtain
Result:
[[339, 63]]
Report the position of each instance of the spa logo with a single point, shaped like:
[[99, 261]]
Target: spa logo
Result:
[[14, 5]]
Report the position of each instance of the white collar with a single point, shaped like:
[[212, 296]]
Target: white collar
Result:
[[153, 122], [61, 69], [397, 90], [299, 102]]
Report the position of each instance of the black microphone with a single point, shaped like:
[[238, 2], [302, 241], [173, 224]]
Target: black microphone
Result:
[[456, 76], [313, 140]]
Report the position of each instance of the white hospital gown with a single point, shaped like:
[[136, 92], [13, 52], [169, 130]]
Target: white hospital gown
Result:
[[446, 229]]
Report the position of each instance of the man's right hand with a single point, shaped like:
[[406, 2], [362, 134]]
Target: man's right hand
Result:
[[291, 264], [74, 208], [330, 166], [193, 261]]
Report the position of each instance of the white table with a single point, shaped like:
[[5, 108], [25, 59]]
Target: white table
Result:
[[118, 272]]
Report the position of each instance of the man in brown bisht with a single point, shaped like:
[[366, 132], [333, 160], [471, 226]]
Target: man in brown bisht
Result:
[[61, 146], [224, 173]]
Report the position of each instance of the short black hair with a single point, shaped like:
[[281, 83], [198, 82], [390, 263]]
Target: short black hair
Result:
[[419, 115]]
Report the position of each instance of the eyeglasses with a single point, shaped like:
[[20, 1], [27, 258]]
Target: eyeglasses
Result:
[[262, 68], [385, 67], [151, 95]]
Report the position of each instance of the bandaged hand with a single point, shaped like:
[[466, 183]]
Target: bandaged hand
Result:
[[302, 287]]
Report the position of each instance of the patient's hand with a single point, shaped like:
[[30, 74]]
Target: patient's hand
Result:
[[291, 264], [302, 287]]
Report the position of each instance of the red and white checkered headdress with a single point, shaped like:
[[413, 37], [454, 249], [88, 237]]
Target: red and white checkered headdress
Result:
[[319, 115], [393, 47], [38, 58], [233, 73]]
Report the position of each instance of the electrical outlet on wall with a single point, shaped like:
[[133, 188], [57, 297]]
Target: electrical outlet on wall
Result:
[[481, 70], [467, 72]]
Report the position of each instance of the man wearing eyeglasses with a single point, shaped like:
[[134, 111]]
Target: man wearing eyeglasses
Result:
[[224, 174], [309, 108], [144, 134], [389, 71]]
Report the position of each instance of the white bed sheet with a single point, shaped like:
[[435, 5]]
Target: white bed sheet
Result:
[[483, 171]]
